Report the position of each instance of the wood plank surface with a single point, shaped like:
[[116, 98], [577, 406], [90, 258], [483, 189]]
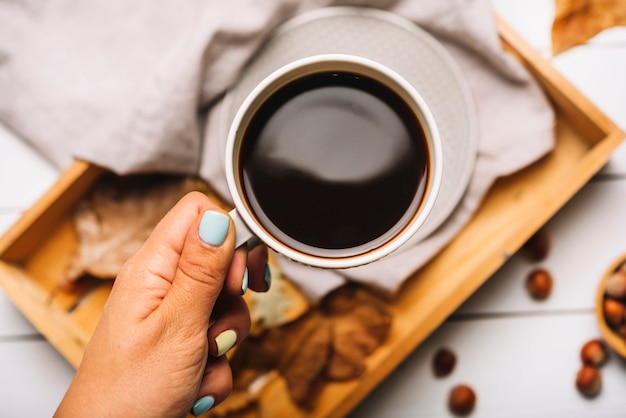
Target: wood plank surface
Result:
[[489, 351]]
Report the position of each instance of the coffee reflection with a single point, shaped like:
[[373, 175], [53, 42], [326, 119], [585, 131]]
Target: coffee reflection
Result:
[[333, 162]]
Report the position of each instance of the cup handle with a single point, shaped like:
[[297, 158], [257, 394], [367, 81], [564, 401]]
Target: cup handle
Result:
[[243, 235]]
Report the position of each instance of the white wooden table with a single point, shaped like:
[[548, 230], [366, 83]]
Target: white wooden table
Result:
[[520, 356]]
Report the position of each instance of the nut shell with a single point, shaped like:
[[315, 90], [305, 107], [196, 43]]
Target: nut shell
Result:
[[462, 400], [594, 353], [614, 312], [616, 285], [537, 247], [444, 361], [610, 336], [589, 381], [539, 283]]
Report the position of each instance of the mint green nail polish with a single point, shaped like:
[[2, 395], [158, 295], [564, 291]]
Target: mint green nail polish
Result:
[[268, 276], [214, 227], [203, 405], [244, 283]]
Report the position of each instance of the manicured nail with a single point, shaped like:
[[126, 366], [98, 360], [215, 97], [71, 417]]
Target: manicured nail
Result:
[[244, 282], [214, 227], [203, 405], [268, 276], [225, 341]]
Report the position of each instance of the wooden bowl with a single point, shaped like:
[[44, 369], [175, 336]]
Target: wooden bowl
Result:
[[612, 338]]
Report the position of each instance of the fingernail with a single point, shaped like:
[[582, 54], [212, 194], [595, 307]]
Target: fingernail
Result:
[[214, 227], [244, 283], [225, 341], [268, 276], [203, 405]]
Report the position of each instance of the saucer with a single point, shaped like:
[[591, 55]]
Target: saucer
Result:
[[403, 47]]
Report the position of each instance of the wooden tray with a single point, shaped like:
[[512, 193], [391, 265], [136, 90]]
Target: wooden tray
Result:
[[36, 249]]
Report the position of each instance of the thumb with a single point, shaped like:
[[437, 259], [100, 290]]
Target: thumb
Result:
[[203, 265]]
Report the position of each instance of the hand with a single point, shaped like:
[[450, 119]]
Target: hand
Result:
[[174, 310]]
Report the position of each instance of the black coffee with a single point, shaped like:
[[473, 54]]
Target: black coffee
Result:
[[334, 162]]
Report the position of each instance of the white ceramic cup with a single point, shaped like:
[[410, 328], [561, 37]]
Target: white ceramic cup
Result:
[[253, 227]]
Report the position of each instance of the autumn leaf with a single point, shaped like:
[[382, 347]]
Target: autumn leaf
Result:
[[577, 21]]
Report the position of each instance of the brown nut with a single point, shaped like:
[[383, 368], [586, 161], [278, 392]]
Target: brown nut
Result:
[[539, 284], [589, 381], [444, 361], [537, 247], [462, 400], [594, 353], [616, 285], [614, 312]]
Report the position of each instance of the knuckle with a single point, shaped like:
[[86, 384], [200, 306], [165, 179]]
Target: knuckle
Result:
[[206, 270]]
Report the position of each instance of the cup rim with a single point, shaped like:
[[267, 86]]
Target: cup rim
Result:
[[325, 62]]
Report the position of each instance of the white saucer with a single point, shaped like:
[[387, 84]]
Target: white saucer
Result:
[[398, 44]]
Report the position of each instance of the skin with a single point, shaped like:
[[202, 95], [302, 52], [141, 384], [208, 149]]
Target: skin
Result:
[[153, 352]]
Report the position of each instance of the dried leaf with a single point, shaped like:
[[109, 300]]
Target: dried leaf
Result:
[[304, 370], [117, 216], [361, 323], [577, 21], [281, 304], [329, 343]]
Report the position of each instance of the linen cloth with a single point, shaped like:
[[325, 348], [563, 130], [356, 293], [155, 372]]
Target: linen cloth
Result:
[[136, 87]]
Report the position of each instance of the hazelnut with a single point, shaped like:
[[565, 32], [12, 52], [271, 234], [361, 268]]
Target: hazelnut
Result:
[[589, 381], [537, 247], [614, 312], [539, 284], [616, 285], [443, 362], [462, 400], [593, 353]]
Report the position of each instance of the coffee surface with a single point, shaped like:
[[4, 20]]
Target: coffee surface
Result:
[[334, 162]]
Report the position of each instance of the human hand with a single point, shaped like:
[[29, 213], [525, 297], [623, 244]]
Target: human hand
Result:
[[174, 310]]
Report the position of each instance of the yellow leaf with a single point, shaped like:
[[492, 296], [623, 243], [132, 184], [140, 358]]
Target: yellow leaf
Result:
[[577, 21]]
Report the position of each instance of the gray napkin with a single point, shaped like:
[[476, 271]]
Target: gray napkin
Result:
[[136, 86]]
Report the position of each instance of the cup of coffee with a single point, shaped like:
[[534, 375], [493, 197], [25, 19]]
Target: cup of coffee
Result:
[[333, 161]]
